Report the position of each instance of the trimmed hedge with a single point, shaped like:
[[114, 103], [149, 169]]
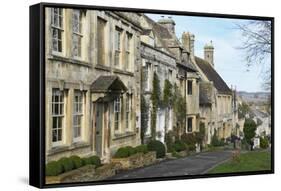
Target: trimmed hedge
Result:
[[95, 160], [124, 152], [157, 146], [141, 149], [77, 161], [66, 163], [53, 168]]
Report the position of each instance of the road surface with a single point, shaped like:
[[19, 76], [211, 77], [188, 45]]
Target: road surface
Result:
[[191, 165]]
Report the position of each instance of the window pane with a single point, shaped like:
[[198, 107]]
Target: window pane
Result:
[[54, 122], [59, 135], [54, 136], [59, 122]]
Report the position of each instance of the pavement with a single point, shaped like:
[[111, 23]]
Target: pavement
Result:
[[191, 165]]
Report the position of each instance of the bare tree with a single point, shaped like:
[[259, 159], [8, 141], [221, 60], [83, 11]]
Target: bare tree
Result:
[[257, 46]]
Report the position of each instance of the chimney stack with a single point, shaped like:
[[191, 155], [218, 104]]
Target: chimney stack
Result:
[[188, 42], [168, 23]]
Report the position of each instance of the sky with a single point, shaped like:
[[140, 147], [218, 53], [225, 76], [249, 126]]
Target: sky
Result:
[[228, 58]]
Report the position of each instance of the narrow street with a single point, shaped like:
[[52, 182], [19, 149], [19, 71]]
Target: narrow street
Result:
[[191, 165]]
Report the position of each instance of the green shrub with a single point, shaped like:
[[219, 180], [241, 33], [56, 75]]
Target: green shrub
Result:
[[264, 143], [191, 147], [190, 140], [121, 153], [66, 164], [86, 161], [124, 152], [141, 149], [77, 161], [158, 147], [53, 168], [179, 146], [216, 142], [95, 160], [130, 150]]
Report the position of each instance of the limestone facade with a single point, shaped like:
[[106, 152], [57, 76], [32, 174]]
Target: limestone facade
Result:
[[83, 48], [99, 63]]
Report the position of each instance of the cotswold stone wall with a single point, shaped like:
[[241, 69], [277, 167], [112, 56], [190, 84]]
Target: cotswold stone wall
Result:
[[136, 161], [85, 174]]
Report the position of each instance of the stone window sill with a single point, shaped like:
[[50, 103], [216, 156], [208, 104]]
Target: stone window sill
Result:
[[102, 67], [69, 60], [119, 71], [124, 135], [64, 148]]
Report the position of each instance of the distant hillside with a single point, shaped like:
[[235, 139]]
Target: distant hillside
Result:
[[254, 96]]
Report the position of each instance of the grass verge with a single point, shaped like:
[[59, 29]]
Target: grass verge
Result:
[[251, 161]]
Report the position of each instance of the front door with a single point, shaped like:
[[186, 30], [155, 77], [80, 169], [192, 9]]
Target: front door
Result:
[[99, 128]]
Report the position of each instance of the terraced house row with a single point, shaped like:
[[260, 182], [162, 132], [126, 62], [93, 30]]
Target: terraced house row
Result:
[[102, 66]]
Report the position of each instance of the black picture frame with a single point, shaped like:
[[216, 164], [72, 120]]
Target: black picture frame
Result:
[[37, 94]]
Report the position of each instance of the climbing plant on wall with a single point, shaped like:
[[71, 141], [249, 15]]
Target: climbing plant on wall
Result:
[[155, 100], [179, 106], [144, 117], [167, 94]]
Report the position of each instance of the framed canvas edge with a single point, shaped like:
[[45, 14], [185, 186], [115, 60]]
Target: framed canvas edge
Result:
[[37, 88]]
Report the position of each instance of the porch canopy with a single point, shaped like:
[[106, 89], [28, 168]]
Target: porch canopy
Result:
[[106, 84], [106, 88]]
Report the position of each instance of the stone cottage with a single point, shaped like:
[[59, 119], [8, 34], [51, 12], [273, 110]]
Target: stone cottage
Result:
[[158, 60], [92, 82], [171, 61], [99, 65], [216, 98]]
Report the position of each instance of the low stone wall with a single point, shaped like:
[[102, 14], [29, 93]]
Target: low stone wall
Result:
[[85, 174], [136, 161]]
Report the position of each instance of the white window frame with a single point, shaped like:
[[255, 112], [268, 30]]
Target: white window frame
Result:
[[78, 113], [128, 109], [117, 46], [117, 114], [128, 51], [59, 115], [57, 25], [77, 33]]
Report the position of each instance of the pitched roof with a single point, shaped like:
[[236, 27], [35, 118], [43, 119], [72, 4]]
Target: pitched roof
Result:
[[108, 84], [213, 76]]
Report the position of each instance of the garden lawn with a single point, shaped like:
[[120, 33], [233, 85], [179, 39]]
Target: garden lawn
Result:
[[250, 161]]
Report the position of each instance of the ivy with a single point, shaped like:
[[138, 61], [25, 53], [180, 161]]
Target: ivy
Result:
[[156, 101], [179, 106], [144, 117], [167, 94]]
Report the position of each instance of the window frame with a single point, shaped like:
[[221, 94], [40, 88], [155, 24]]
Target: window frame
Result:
[[103, 25], [117, 46], [189, 124], [59, 116], [148, 69], [128, 109], [117, 113], [77, 34], [79, 113], [189, 87], [59, 28], [128, 46]]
